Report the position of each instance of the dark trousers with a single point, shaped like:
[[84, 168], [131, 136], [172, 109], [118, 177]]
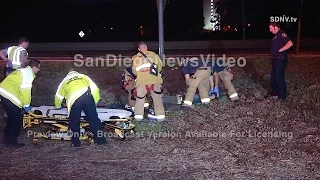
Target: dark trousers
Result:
[[86, 104], [278, 82], [14, 122]]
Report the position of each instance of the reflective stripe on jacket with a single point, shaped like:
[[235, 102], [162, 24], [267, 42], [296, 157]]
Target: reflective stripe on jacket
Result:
[[73, 86], [16, 87]]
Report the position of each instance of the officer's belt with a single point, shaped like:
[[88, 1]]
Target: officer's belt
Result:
[[204, 68], [279, 57]]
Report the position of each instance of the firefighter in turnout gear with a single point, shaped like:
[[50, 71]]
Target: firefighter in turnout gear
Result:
[[81, 94], [147, 67], [15, 56], [221, 71], [197, 75], [15, 94], [128, 84]]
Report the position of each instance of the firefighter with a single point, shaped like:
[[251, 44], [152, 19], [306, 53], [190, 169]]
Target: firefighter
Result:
[[197, 75], [220, 70], [147, 67], [15, 94], [128, 84], [81, 94], [15, 56], [279, 55]]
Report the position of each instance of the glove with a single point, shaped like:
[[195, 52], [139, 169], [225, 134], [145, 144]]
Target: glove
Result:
[[216, 90], [59, 108], [27, 109]]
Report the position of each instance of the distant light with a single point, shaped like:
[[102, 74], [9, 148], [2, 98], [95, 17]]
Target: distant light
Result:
[[249, 24], [111, 28], [140, 26], [235, 29], [81, 34], [228, 26], [105, 27]]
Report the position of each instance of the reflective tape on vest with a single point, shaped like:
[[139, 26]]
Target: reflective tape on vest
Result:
[[27, 78], [147, 65]]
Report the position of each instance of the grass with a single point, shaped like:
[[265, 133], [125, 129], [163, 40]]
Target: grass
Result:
[[219, 142]]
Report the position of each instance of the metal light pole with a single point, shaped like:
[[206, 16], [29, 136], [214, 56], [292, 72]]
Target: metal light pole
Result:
[[160, 27], [244, 26], [299, 29]]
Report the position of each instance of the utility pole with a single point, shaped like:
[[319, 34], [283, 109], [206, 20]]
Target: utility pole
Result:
[[160, 4], [243, 21], [299, 29]]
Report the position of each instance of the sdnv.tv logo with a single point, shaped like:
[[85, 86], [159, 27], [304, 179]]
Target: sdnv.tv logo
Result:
[[283, 18]]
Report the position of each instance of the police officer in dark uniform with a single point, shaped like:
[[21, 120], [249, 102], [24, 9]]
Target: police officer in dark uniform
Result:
[[279, 55], [197, 75]]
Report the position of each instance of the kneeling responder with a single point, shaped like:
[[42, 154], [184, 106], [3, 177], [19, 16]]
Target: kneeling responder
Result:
[[199, 80], [147, 67], [81, 94], [128, 84], [15, 94], [221, 70]]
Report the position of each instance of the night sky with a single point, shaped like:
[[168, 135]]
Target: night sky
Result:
[[120, 20]]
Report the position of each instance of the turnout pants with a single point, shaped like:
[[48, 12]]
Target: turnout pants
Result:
[[200, 81], [226, 77], [278, 82], [129, 87], [14, 122], [86, 104], [155, 91]]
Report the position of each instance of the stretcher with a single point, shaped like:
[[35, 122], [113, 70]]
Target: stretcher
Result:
[[57, 123]]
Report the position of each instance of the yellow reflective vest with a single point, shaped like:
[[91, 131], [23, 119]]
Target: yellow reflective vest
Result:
[[73, 86], [141, 68], [14, 55], [16, 87]]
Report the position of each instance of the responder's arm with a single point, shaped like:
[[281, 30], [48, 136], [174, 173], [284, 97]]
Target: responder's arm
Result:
[[25, 91], [288, 45], [59, 96], [216, 79], [187, 77], [159, 62], [3, 54], [286, 40], [135, 64], [211, 82], [94, 90], [24, 59]]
